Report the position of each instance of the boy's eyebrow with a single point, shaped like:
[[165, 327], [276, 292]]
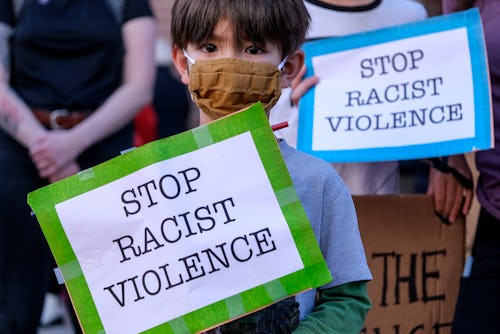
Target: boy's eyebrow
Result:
[[215, 38], [211, 38], [219, 38]]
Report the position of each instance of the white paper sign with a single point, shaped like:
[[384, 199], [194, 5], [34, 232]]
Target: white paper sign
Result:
[[413, 91], [194, 199]]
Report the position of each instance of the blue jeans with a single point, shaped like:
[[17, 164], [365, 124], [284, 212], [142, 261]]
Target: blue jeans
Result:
[[25, 260]]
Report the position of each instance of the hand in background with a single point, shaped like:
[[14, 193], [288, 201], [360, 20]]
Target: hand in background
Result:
[[70, 169], [52, 152], [450, 197], [300, 86]]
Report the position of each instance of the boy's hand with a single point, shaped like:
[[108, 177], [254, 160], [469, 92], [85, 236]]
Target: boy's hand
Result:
[[450, 197], [300, 87]]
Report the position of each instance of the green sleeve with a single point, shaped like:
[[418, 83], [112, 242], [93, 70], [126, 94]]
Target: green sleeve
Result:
[[339, 310]]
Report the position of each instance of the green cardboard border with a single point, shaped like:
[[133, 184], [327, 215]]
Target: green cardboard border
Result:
[[254, 119]]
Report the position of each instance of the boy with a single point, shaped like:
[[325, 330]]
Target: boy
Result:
[[231, 54]]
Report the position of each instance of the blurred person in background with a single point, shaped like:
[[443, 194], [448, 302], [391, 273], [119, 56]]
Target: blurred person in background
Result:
[[478, 310], [73, 75], [331, 18]]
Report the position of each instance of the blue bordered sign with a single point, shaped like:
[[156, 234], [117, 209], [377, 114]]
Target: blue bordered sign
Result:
[[406, 92]]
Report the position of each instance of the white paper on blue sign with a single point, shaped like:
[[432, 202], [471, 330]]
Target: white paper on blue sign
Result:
[[412, 91]]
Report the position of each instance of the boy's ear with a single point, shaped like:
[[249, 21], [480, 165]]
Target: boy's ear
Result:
[[293, 65], [181, 64]]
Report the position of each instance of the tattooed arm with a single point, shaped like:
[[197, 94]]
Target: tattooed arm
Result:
[[15, 117]]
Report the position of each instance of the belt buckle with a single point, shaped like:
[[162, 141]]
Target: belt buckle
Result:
[[54, 115]]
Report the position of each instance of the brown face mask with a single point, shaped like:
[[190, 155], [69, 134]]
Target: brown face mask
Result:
[[222, 86]]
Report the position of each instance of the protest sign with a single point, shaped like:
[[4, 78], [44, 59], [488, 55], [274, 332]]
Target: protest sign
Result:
[[412, 91], [416, 262], [183, 233]]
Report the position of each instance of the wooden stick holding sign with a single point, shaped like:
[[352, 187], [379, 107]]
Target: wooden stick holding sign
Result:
[[172, 238], [412, 91]]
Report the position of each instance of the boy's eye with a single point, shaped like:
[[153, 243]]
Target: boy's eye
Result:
[[209, 48], [254, 50]]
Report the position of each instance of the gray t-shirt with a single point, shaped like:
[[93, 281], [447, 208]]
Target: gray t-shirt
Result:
[[330, 209]]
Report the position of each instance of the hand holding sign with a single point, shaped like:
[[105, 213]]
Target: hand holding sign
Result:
[[413, 91]]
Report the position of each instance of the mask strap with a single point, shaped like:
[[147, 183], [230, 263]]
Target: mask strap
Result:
[[282, 64], [188, 57]]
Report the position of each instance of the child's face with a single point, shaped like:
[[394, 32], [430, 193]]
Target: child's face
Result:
[[232, 73], [222, 44]]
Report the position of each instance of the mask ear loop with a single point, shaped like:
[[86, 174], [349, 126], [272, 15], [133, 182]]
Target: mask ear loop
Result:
[[188, 57], [282, 64]]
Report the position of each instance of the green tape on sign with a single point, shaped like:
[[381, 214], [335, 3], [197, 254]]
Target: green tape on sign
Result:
[[86, 174], [287, 196], [71, 270], [276, 290], [202, 136], [235, 306], [182, 234]]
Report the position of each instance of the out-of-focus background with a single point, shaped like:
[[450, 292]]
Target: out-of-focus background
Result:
[[409, 179]]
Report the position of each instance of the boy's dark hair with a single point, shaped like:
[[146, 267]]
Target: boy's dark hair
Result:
[[283, 22]]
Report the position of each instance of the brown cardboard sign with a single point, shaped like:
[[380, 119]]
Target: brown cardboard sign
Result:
[[416, 263]]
